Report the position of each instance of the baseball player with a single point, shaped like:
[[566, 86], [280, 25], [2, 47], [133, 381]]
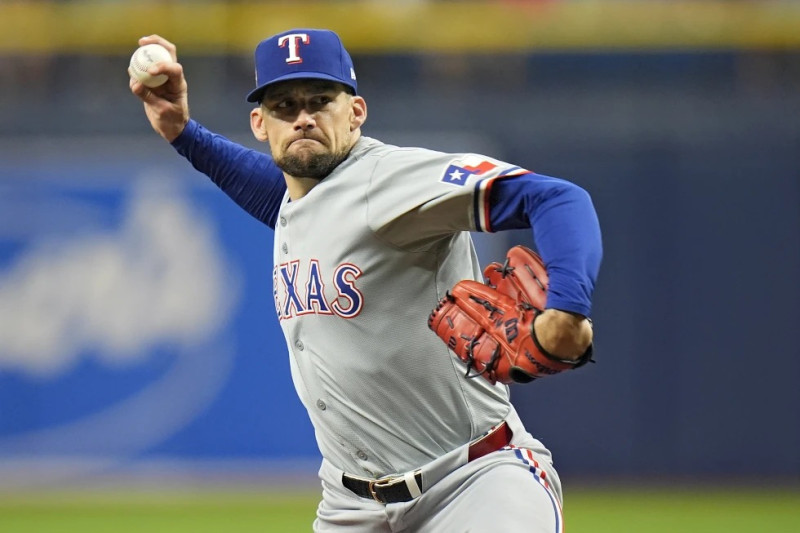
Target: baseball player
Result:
[[416, 434]]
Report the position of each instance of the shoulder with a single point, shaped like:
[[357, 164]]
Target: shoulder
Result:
[[369, 148], [418, 161], [407, 163]]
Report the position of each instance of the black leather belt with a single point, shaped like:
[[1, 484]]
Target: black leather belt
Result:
[[391, 490], [396, 489]]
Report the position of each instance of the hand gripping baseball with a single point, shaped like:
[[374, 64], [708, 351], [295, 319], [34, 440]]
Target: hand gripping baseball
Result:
[[167, 105], [490, 327]]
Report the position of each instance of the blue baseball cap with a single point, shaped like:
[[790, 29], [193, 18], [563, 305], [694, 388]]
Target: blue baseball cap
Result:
[[302, 53]]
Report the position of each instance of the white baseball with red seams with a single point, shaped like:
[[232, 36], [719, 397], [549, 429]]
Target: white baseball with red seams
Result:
[[142, 58]]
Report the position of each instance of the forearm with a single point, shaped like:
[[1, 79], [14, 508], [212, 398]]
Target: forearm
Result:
[[566, 232], [250, 178], [567, 235]]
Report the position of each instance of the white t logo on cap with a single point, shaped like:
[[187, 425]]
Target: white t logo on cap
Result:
[[293, 39]]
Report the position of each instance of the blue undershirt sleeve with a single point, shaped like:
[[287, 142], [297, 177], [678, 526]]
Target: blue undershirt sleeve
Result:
[[566, 232], [249, 177]]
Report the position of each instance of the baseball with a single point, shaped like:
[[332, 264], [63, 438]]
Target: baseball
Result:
[[142, 58]]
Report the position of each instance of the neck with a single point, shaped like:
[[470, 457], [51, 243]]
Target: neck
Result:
[[299, 187]]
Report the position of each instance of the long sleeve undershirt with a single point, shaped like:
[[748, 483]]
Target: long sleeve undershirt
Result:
[[251, 178], [567, 232]]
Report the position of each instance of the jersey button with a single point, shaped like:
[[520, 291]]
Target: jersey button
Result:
[[361, 455], [300, 345], [284, 248], [283, 221], [321, 405]]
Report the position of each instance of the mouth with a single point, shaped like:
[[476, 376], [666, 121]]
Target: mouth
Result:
[[304, 141]]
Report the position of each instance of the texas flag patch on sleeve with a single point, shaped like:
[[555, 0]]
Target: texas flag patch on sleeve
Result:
[[484, 174], [460, 170]]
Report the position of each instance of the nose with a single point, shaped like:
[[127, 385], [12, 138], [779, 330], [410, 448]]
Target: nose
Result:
[[304, 121]]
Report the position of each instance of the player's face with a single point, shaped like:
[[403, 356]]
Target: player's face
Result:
[[310, 125]]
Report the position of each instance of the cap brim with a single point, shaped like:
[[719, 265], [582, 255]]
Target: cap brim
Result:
[[256, 94]]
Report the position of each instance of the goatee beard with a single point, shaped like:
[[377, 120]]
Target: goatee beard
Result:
[[315, 166]]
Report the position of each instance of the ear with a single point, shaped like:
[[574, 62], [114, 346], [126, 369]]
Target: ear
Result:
[[257, 124], [359, 115]]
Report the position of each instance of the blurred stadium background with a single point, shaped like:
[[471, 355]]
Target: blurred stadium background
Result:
[[144, 384]]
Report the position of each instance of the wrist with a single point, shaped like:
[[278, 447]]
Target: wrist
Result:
[[562, 335]]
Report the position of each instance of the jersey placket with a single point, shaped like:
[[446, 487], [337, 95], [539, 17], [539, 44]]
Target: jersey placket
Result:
[[291, 253]]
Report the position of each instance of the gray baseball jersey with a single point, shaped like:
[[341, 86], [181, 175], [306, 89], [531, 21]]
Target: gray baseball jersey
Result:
[[360, 262]]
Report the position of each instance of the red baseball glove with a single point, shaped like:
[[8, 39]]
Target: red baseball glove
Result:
[[490, 327]]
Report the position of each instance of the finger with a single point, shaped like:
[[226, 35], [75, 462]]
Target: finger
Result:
[[134, 84], [157, 39], [139, 89], [151, 98], [146, 94], [172, 70], [173, 88]]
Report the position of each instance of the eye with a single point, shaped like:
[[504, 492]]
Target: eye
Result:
[[284, 104], [320, 100]]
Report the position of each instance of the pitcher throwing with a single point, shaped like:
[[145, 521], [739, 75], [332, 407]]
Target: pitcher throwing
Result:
[[415, 426]]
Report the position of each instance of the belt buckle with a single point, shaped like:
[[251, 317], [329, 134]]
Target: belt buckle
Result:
[[380, 483]]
